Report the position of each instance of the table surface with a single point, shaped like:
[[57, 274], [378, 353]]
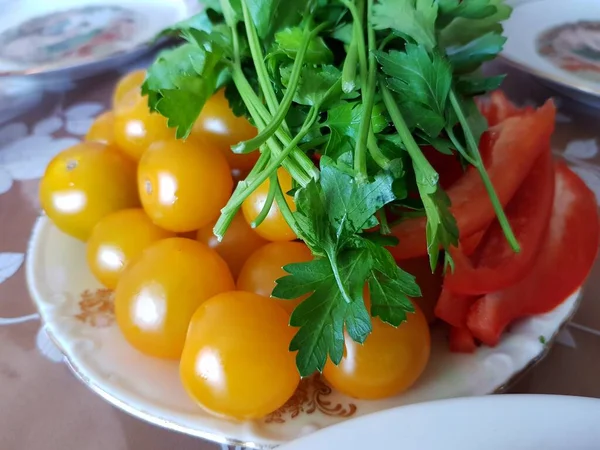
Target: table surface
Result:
[[43, 406]]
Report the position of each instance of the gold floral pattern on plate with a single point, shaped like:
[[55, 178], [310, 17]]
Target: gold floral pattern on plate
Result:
[[312, 395], [97, 308]]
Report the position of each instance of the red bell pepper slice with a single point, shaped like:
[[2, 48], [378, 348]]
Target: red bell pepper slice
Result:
[[469, 244], [514, 146], [461, 340], [498, 108], [494, 265], [454, 308], [562, 265]]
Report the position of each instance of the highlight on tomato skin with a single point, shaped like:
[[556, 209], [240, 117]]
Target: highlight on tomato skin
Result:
[[84, 183], [182, 186], [236, 360], [157, 295], [387, 364], [117, 240]]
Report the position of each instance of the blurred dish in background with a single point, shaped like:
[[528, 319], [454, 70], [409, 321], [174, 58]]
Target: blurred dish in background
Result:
[[81, 37], [558, 42]]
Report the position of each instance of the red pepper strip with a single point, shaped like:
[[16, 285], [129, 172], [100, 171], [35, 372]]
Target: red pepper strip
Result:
[[470, 244], [517, 144], [454, 308], [498, 108], [495, 266], [461, 341], [562, 265]]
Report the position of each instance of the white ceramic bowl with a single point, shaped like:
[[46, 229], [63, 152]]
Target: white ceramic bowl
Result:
[[515, 422]]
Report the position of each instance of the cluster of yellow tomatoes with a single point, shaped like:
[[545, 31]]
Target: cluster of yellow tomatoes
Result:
[[145, 204]]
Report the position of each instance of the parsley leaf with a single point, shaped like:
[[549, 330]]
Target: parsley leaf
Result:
[[343, 121], [412, 18], [181, 80], [272, 15], [470, 56], [464, 29], [321, 317], [329, 215], [422, 82], [472, 86], [441, 229], [289, 42], [314, 83], [471, 9]]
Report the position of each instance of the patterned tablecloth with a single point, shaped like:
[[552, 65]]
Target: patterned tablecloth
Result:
[[43, 406]]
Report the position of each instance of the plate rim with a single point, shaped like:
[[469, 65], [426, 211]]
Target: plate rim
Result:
[[43, 220]]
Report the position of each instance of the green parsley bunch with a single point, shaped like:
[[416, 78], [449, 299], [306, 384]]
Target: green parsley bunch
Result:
[[360, 86]]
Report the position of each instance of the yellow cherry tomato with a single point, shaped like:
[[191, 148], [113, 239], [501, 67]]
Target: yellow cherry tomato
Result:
[[218, 127], [158, 293], [102, 129], [236, 360], [84, 183], [183, 187], [136, 128], [265, 266], [117, 240], [131, 81], [388, 363], [239, 242], [274, 227]]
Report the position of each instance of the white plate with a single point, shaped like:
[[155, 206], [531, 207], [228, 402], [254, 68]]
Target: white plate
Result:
[[515, 422], [78, 316], [559, 42], [53, 37]]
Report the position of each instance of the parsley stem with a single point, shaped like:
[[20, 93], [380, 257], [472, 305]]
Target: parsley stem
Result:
[[286, 212], [314, 143], [259, 62], [279, 117], [227, 217], [428, 173], [380, 159], [264, 212], [474, 150], [367, 77], [296, 169], [349, 69], [251, 185], [460, 147], [358, 35]]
